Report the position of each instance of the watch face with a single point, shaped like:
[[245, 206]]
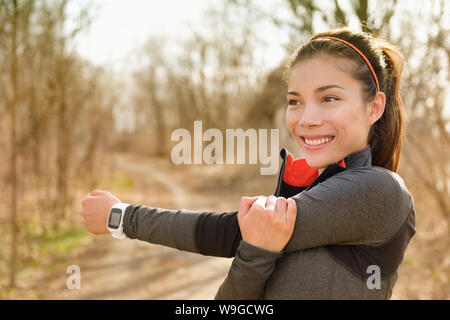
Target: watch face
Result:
[[114, 218]]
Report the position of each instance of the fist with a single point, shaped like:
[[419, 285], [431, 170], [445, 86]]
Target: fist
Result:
[[95, 210], [267, 222]]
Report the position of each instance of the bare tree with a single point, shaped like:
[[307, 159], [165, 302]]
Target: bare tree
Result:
[[14, 103], [425, 90], [213, 77], [52, 101]]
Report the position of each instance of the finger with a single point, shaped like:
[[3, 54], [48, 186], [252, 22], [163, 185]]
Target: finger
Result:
[[260, 202], [271, 201], [86, 200], [97, 192], [83, 213], [281, 208], [246, 203], [291, 213]]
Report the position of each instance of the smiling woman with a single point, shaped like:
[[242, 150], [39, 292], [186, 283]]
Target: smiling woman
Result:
[[329, 121], [349, 213], [330, 66]]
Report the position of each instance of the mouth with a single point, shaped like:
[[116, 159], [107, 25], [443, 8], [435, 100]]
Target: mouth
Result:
[[316, 142]]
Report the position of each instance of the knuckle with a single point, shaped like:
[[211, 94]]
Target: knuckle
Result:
[[281, 200], [280, 224], [259, 208]]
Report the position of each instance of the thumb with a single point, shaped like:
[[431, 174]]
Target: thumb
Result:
[[291, 213], [97, 192]]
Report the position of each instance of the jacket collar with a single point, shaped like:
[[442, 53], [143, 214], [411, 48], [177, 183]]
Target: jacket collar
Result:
[[361, 158], [296, 172]]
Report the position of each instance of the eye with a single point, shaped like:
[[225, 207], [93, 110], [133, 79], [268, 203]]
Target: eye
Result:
[[328, 99], [292, 102]]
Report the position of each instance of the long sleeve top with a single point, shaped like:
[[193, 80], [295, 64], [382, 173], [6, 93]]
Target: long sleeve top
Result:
[[354, 223]]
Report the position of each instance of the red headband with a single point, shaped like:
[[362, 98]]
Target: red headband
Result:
[[361, 54]]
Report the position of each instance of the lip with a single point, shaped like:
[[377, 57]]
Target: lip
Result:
[[311, 137]]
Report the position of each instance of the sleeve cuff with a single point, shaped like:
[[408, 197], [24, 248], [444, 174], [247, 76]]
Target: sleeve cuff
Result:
[[254, 262], [247, 250], [127, 228]]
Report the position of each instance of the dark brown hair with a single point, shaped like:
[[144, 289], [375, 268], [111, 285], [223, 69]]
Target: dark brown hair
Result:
[[385, 136]]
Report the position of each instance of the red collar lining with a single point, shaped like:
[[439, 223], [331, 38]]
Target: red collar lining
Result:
[[298, 173]]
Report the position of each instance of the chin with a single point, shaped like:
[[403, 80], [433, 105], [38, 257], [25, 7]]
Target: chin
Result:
[[315, 163]]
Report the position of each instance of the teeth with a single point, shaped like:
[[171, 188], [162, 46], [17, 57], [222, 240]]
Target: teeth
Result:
[[315, 142]]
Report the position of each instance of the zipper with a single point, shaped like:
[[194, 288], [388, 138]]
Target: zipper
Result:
[[285, 154]]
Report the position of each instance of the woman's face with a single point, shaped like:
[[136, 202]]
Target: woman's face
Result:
[[326, 113]]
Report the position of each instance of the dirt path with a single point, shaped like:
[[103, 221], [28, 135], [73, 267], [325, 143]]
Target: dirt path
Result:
[[132, 269]]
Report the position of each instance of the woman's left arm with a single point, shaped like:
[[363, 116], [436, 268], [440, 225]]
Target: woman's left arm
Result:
[[362, 207], [266, 225], [356, 207], [251, 268]]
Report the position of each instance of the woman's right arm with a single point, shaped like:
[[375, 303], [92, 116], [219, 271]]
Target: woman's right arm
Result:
[[208, 233], [184, 229]]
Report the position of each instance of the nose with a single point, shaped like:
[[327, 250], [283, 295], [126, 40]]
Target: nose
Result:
[[310, 117]]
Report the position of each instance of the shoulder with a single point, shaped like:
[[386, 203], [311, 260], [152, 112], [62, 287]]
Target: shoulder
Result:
[[374, 193], [372, 203], [374, 183]]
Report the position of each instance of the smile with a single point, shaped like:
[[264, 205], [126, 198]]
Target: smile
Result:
[[316, 142]]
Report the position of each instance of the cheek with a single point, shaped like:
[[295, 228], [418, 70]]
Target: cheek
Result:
[[292, 118], [289, 120], [351, 124]]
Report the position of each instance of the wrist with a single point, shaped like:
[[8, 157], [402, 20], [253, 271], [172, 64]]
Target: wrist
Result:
[[115, 220], [261, 241]]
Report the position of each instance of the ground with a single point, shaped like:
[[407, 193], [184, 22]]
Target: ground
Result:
[[133, 269]]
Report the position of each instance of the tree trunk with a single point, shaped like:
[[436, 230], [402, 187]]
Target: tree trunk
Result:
[[13, 159]]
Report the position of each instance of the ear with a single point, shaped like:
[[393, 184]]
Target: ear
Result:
[[376, 107]]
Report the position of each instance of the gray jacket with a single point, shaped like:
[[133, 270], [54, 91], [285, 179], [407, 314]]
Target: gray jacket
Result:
[[353, 225]]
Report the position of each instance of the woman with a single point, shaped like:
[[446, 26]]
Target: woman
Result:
[[345, 233]]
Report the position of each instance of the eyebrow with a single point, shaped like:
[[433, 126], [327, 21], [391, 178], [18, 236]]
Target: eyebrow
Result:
[[328, 86]]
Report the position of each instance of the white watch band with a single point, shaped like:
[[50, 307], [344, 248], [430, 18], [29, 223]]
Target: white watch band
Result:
[[118, 233]]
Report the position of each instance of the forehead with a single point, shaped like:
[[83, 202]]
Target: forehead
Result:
[[321, 70]]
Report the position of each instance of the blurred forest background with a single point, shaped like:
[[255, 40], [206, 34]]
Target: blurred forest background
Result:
[[62, 123]]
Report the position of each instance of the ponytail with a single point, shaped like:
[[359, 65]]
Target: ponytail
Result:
[[386, 135]]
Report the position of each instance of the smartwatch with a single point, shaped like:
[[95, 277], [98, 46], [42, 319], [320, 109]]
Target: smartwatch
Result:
[[115, 220]]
